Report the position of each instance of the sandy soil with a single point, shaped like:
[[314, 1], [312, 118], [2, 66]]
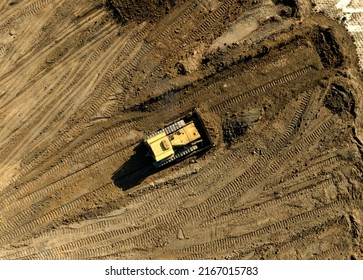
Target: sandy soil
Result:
[[83, 82]]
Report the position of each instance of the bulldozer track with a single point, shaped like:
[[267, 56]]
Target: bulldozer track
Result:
[[280, 81], [39, 119], [290, 178], [86, 150], [51, 216], [209, 20], [299, 111], [56, 253], [28, 11], [246, 181], [87, 65], [24, 64], [300, 146], [335, 252], [214, 246], [322, 185], [34, 54], [296, 241], [224, 244], [95, 101], [211, 86], [28, 196]]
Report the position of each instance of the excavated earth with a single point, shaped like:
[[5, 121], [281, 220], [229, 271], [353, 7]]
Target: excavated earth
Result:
[[83, 82]]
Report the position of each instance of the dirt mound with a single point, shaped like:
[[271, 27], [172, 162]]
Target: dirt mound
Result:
[[328, 49], [143, 10], [340, 100]]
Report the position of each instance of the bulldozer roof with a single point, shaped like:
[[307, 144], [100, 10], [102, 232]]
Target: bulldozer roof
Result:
[[160, 146]]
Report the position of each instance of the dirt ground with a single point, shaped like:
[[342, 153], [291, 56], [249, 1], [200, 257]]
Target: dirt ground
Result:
[[83, 82]]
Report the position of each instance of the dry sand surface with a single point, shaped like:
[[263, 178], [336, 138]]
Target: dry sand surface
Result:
[[83, 82]]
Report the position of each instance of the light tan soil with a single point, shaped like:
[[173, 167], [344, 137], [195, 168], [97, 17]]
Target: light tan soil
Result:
[[83, 82]]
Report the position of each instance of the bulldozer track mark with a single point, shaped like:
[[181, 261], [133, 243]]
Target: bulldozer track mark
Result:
[[210, 20], [192, 97], [78, 69], [167, 221], [225, 244], [33, 54], [256, 65], [26, 12], [28, 196], [49, 109], [177, 22], [300, 238], [112, 222], [330, 162], [272, 202], [84, 82], [207, 22], [249, 179], [280, 81], [24, 64], [126, 72], [145, 238], [335, 250], [49, 217], [86, 150], [56, 253], [98, 97]]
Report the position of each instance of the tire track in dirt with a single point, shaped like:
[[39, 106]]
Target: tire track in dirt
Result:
[[331, 162], [249, 179], [280, 81], [334, 253], [213, 246], [17, 16], [19, 200], [52, 216], [54, 72], [37, 121], [304, 103], [208, 21], [259, 64], [31, 58], [208, 207], [298, 240], [148, 67], [303, 192], [32, 35], [101, 92], [258, 89], [232, 242]]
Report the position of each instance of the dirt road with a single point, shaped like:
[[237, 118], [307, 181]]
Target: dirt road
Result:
[[83, 82]]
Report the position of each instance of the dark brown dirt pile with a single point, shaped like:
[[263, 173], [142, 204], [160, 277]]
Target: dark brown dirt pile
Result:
[[143, 10]]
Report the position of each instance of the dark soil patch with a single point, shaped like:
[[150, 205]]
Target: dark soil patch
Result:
[[328, 49], [340, 100], [233, 128], [143, 10]]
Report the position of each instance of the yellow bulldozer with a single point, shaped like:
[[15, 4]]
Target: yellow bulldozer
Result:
[[178, 140]]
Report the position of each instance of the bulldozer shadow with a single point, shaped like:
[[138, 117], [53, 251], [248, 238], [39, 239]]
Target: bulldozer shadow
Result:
[[135, 170]]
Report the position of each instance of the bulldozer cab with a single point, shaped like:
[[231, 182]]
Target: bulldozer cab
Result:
[[178, 140], [160, 146]]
